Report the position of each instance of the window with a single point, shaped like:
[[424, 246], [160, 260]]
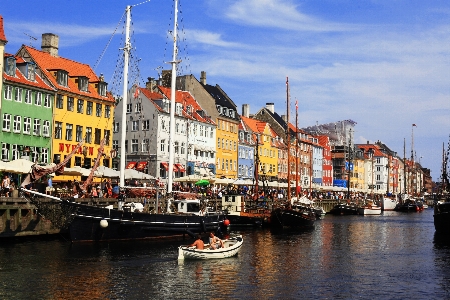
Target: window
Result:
[[176, 147], [137, 107], [97, 136], [218, 143], [89, 106], [37, 127], [28, 97], [15, 152], [144, 145], [135, 126], [46, 128], [34, 151], [10, 68], [163, 143], [145, 125], [6, 122], [129, 108], [183, 146], [115, 144], [44, 155], [88, 135], [80, 106], [31, 71], [107, 136], [79, 133], [134, 145], [98, 109], [77, 161], [62, 77], [70, 103], [17, 124], [107, 111], [18, 95], [58, 130], [59, 101], [8, 92], [102, 88], [38, 100], [83, 83], [116, 127], [5, 151], [48, 100], [126, 146], [69, 129]]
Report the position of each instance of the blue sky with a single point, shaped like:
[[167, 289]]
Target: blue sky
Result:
[[382, 63]]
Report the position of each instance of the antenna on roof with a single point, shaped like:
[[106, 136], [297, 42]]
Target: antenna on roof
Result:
[[31, 38]]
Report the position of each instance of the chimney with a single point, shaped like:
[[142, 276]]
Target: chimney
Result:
[[150, 84], [246, 110], [271, 107], [203, 78], [50, 43], [284, 118]]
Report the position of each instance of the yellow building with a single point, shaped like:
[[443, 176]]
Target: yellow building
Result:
[[267, 147], [83, 110]]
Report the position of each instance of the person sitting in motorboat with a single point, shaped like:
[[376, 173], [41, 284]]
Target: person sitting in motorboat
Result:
[[215, 242], [198, 243]]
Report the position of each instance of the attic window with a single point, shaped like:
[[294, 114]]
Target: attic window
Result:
[[83, 83], [219, 108], [102, 88], [31, 67], [189, 109], [62, 77], [225, 111], [10, 66]]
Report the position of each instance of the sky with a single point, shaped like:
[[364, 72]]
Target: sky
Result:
[[384, 64]]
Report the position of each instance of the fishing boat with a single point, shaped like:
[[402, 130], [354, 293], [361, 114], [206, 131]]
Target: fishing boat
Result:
[[242, 213], [85, 222], [341, 209], [369, 209], [231, 247], [409, 205], [388, 203]]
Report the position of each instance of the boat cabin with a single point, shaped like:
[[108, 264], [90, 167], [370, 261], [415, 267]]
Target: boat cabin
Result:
[[234, 204]]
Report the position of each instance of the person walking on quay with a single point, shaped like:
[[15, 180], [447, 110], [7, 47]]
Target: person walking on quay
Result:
[[5, 185], [49, 189]]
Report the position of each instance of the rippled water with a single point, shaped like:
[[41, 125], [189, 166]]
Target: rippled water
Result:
[[393, 256]]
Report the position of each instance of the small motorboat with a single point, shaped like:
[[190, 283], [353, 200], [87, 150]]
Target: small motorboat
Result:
[[369, 209], [231, 247]]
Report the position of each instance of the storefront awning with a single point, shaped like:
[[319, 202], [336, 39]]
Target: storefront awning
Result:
[[131, 165], [141, 165], [180, 168], [166, 166]]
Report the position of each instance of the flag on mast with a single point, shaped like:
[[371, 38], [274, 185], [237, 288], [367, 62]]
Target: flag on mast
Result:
[[296, 104], [414, 125]]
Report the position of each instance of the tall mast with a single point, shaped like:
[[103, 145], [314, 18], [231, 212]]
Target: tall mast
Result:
[[296, 148], [405, 166], [126, 52], [172, 101], [288, 141]]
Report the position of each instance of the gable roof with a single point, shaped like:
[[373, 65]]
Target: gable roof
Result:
[[2, 31], [21, 79], [48, 63]]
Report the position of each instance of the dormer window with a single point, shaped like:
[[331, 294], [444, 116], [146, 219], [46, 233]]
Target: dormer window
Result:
[[189, 109], [62, 77], [178, 109], [10, 66], [31, 69], [232, 114], [225, 111], [102, 88], [83, 83], [219, 108]]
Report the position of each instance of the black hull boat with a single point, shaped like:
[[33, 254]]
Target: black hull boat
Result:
[[250, 221], [442, 217], [91, 223], [292, 218], [344, 209], [409, 206]]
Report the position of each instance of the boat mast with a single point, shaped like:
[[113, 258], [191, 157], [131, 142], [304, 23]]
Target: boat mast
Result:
[[126, 52], [172, 101], [288, 141], [296, 149]]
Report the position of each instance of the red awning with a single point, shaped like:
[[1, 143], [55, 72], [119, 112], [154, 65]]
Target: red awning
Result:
[[181, 168], [166, 166], [131, 165], [141, 165]]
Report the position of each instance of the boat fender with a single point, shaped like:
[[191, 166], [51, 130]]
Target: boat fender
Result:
[[226, 222], [103, 223]]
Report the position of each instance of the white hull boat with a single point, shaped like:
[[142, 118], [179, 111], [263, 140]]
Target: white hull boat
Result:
[[231, 248], [388, 203], [369, 210]]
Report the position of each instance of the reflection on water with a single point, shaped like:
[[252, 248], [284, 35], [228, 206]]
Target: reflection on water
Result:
[[392, 256]]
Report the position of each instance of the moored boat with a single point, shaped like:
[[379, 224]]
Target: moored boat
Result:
[[409, 205], [442, 216], [292, 217], [242, 213], [344, 209], [231, 247], [388, 203], [369, 209]]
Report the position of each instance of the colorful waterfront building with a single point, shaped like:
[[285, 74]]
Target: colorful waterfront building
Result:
[[26, 109], [246, 151], [82, 108]]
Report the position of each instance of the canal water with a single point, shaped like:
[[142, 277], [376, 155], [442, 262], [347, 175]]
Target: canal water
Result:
[[392, 256]]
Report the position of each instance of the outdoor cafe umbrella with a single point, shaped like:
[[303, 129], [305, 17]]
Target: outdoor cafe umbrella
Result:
[[202, 182]]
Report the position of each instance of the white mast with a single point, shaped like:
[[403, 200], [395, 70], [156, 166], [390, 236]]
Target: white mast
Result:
[[126, 51], [172, 102]]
